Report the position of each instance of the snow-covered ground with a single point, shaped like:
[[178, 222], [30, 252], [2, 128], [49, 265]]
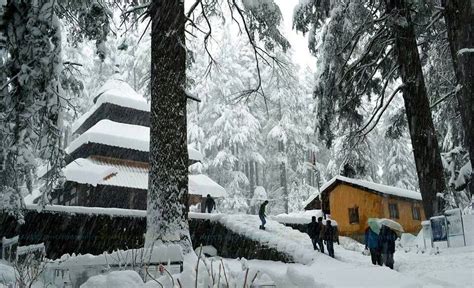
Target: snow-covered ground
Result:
[[453, 267], [450, 268], [414, 267]]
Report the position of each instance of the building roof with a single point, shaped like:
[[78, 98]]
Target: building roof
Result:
[[130, 175], [116, 92], [122, 135], [365, 185]]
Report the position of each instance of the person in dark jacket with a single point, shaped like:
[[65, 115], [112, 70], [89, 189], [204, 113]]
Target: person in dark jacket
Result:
[[314, 230], [372, 243], [311, 230], [330, 234], [210, 203], [262, 215], [387, 239]]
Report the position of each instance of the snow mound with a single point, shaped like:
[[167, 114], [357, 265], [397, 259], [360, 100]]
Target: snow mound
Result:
[[409, 240], [7, 274], [299, 278], [299, 217], [115, 279], [350, 244]]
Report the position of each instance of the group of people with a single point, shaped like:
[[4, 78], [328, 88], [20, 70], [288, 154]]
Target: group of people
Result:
[[381, 246], [321, 234]]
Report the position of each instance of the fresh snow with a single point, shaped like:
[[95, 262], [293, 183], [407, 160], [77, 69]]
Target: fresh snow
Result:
[[7, 274], [96, 172], [134, 137], [115, 279], [465, 50], [202, 185], [88, 210], [30, 248], [159, 254], [414, 266], [115, 92], [299, 217], [385, 189], [84, 171]]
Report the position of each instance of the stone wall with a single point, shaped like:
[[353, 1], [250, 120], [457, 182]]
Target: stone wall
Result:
[[64, 232]]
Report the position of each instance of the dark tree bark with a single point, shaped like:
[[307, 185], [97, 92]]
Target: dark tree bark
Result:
[[459, 17], [168, 183], [423, 136]]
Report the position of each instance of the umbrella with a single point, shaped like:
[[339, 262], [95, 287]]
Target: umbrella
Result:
[[395, 226], [374, 224]]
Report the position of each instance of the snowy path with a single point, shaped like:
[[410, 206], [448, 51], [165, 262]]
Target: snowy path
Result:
[[313, 268], [451, 268]]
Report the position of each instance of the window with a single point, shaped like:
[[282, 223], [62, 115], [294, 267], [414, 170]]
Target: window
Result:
[[354, 215], [393, 209], [416, 213]]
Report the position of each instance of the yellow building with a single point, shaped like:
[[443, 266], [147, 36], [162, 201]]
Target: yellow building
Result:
[[351, 202]]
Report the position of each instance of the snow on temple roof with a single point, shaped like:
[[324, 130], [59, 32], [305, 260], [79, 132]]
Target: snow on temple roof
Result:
[[122, 135], [136, 177], [86, 172], [115, 92], [202, 185], [384, 189]]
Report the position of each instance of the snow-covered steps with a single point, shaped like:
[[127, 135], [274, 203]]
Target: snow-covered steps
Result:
[[66, 229], [295, 245]]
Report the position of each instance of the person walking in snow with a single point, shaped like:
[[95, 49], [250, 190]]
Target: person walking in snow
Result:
[[311, 230], [372, 244], [210, 203], [330, 234], [262, 215], [387, 239], [314, 230]]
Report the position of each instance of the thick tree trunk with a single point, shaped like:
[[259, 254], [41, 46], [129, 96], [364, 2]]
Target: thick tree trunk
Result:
[[423, 136], [459, 16], [168, 183]]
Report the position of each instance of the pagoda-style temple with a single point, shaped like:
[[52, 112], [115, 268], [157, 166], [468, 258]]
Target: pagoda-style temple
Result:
[[107, 163]]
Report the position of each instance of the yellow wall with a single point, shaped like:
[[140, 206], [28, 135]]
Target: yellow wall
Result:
[[343, 197]]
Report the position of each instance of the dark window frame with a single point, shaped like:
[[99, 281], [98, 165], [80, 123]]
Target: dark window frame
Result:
[[354, 215], [416, 212], [393, 210]]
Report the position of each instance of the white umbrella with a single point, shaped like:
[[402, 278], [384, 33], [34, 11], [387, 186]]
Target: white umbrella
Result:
[[395, 226]]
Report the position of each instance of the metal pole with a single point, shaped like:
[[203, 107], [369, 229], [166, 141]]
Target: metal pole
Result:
[[431, 229], [462, 225], [424, 237], [447, 230]]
